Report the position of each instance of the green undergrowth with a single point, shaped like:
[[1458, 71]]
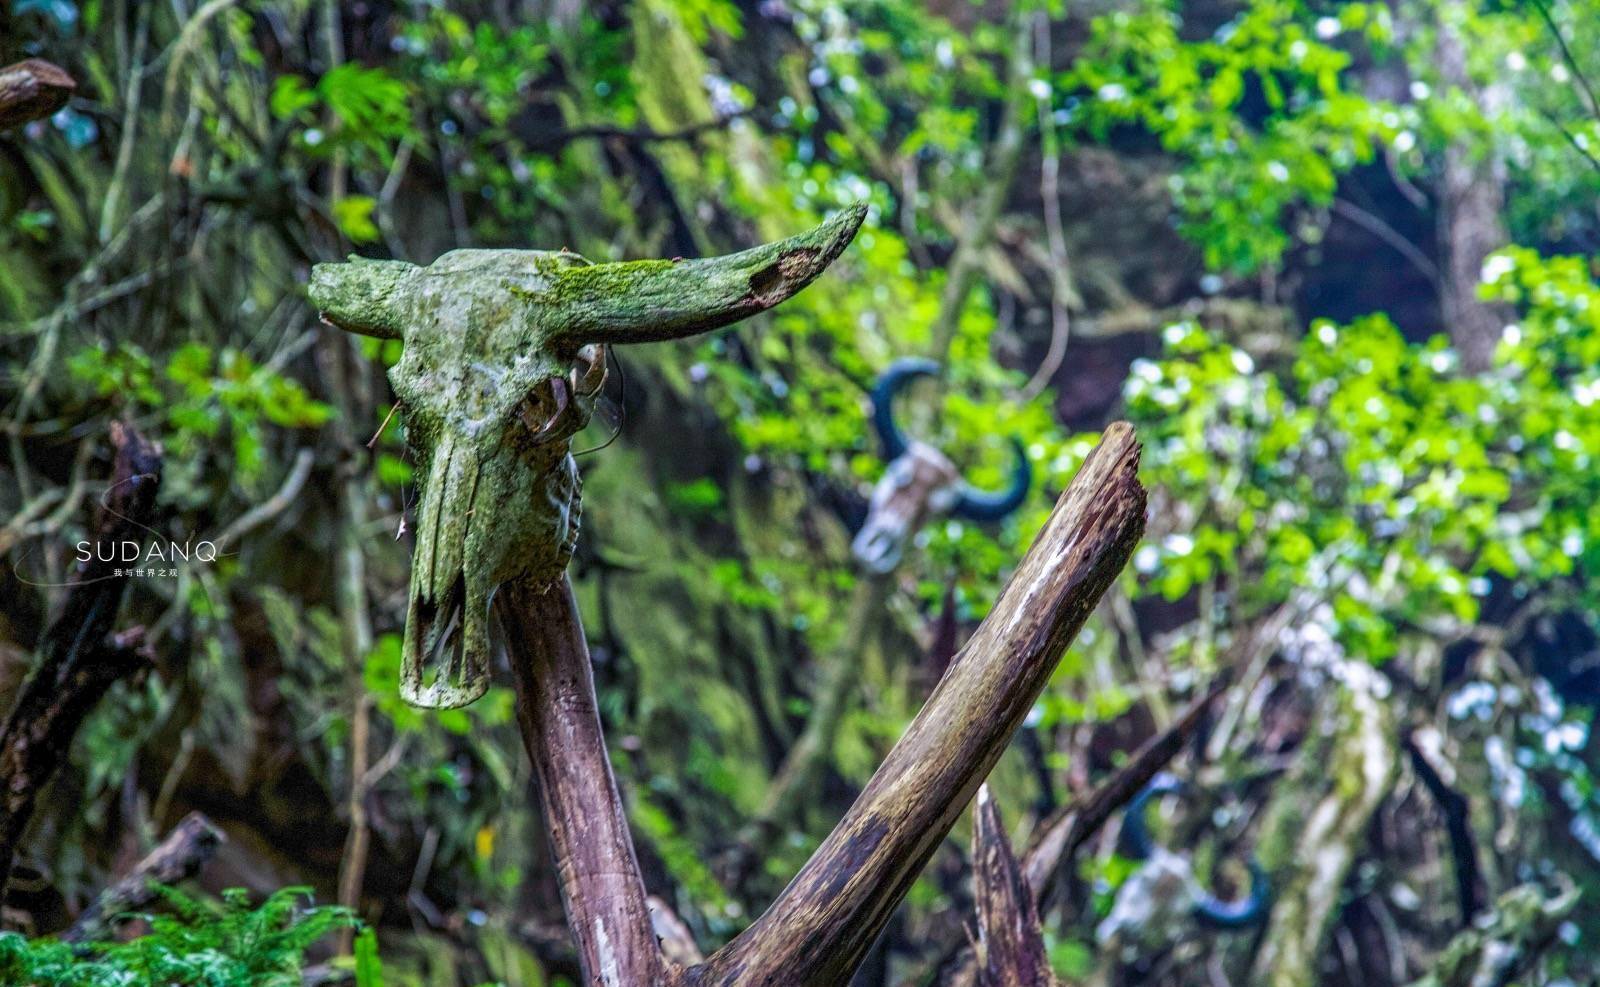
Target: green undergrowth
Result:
[[196, 942]]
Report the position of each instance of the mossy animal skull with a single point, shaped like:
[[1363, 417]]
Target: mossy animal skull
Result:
[[504, 354]]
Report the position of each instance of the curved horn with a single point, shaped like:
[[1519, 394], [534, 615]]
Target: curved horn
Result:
[[362, 296], [1135, 840], [985, 505], [648, 300], [1212, 911], [891, 383]]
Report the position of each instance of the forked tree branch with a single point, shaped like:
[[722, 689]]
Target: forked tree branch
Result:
[[822, 925]]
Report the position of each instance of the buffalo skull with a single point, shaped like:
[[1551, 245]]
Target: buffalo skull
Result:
[[503, 357], [920, 481], [1165, 887]]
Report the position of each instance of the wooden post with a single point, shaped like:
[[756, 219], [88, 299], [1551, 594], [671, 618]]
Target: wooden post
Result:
[[600, 881]]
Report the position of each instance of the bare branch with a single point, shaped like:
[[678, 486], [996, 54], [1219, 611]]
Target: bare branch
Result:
[[796, 778], [1591, 101], [1055, 234], [822, 925], [1435, 772], [270, 508], [1056, 841], [976, 233], [1060, 837], [1389, 235], [639, 135]]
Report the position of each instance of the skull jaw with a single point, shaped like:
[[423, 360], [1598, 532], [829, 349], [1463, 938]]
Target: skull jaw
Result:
[[517, 524]]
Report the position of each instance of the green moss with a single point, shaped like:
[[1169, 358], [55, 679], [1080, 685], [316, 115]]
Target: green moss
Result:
[[576, 284]]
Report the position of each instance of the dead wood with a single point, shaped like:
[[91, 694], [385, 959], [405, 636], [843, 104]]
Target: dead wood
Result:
[[821, 926], [31, 89], [178, 857], [1054, 846], [1010, 945], [601, 886], [79, 657]]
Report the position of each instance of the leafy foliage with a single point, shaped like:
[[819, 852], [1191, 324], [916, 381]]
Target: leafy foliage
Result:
[[1407, 513], [201, 944]]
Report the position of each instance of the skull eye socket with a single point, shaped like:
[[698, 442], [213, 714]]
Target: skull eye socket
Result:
[[901, 473], [544, 409]]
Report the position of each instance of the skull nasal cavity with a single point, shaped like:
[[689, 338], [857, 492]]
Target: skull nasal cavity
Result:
[[429, 609]]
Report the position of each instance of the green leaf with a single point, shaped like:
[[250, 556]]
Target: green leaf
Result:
[[353, 215]]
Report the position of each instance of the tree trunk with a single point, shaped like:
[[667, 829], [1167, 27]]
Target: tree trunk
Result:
[[1471, 201], [1317, 822], [79, 658]]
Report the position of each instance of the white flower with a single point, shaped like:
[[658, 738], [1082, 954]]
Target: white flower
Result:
[[1495, 267]]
